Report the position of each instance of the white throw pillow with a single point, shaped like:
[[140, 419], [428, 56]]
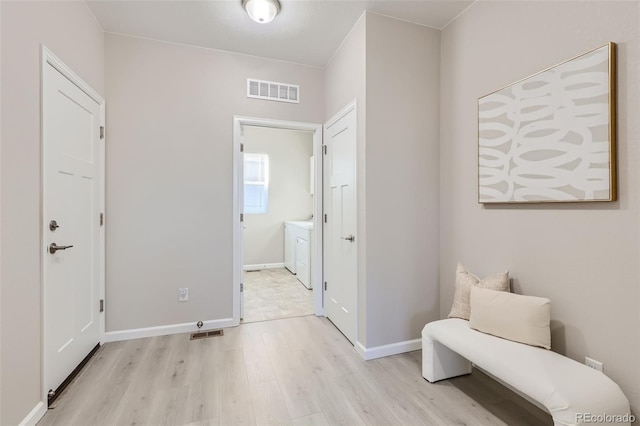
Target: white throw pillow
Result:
[[461, 307], [523, 319]]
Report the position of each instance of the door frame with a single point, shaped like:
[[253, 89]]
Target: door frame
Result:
[[350, 107], [238, 178], [48, 58]]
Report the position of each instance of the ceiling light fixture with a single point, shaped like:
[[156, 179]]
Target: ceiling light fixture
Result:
[[261, 11]]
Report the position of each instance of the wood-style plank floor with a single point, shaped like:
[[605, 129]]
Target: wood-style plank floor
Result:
[[294, 371]]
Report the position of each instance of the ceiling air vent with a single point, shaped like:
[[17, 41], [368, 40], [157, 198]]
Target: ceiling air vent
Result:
[[272, 91]]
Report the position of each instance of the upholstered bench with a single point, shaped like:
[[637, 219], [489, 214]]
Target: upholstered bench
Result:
[[573, 393]]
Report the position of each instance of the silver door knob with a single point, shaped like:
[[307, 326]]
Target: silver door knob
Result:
[[350, 238], [54, 248]]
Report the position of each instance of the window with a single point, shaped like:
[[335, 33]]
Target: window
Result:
[[256, 183]]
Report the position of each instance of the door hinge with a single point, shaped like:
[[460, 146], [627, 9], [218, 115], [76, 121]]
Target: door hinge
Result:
[[324, 148], [241, 147], [241, 217], [101, 132], [325, 218], [101, 305], [241, 287], [325, 286], [101, 219]]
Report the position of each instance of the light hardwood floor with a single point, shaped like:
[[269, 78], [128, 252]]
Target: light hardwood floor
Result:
[[295, 371], [273, 294]]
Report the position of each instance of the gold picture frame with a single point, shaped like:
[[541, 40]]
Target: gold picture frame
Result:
[[551, 137]]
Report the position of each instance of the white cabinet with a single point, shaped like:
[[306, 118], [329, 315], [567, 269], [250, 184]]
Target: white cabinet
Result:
[[312, 177], [297, 250]]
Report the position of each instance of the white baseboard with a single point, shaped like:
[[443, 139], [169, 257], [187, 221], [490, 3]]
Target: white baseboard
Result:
[[163, 330], [263, 266], [388, 350], [35, 415]]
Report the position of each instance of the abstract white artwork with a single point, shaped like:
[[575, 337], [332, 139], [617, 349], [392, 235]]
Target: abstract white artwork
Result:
[[551, 136]]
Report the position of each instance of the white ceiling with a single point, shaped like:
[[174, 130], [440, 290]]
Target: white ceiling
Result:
[[305, 31]]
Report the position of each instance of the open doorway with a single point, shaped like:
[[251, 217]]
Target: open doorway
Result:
[[278, 223], [278, 206]]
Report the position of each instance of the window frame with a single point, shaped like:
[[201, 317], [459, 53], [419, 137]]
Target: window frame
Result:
[[263, 207]]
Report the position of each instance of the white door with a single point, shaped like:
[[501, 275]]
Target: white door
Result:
[[340, 229], [71, 197]]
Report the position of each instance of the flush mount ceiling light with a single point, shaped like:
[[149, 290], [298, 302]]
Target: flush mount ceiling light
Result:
[[261, 11]]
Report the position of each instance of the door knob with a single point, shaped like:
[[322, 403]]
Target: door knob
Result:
[[350, 238], [54, 248]]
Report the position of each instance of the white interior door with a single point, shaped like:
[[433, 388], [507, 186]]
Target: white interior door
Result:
[[72, 198], [340, 230]]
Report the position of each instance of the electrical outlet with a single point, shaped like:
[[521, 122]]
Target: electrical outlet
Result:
[[183, 294], [592, 363]]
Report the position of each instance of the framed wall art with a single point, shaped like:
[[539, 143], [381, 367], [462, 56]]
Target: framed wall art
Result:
[[551, 137]]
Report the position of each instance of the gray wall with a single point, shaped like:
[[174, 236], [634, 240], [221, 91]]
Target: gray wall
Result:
[[345, 78], [402, 178], [397, 171], [289, 196], [584, 257], [169, 173], [72, 34]]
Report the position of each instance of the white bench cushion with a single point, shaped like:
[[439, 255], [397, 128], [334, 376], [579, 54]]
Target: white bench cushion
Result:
[[565, 387]]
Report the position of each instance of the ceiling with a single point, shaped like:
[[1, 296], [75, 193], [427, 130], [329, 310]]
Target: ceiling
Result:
[[305, 31]]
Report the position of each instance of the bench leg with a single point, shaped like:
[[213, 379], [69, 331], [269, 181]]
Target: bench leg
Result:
[[439, 362]]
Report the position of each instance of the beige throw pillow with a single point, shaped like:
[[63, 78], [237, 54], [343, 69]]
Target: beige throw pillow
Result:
[[465, 281], [523, 319]]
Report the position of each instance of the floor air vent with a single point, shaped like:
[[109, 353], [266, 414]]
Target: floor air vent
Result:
[[273, 91], [204, 334]]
